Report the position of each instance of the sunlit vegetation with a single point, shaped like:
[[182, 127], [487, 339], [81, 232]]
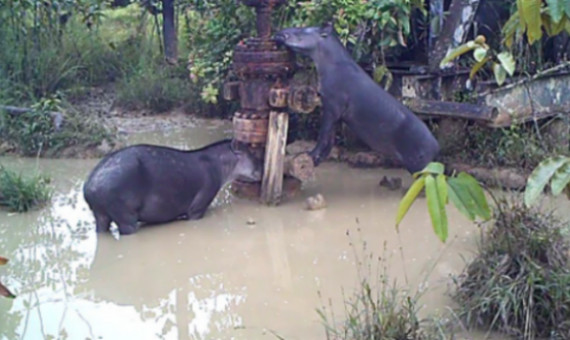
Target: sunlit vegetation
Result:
[[20, 194]]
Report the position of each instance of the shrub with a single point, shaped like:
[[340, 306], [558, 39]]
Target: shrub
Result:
[[519, 281], [34, 133], [20, 194]]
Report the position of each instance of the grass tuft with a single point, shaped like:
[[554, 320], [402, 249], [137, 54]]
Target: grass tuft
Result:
[[20, 194], [519, 282], [380, 309]]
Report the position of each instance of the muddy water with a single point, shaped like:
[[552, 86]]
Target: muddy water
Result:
[[245, 271]]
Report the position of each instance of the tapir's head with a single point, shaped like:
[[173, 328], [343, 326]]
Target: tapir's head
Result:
[[247, 167], [305, 40]]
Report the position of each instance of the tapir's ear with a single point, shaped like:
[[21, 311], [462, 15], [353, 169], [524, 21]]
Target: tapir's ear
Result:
[[327, 29]]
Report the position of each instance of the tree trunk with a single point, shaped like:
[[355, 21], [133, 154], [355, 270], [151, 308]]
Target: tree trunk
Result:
[[169, 32]]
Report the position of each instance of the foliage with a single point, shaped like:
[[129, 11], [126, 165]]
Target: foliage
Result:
[[379, 309], [156, 88], [462, 190], [20, 194], [3, 290], [518, 281], [531, 17], [34, 133], [519, 146], [555, 170], [366, 27]]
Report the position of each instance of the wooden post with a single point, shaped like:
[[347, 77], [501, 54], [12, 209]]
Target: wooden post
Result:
[[272, 183]]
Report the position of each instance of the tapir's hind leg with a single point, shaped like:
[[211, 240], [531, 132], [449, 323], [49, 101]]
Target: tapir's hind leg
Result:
[[102, 222], [126, 220]]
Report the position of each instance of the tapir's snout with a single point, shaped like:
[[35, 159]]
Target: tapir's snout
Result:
[[280, 38]]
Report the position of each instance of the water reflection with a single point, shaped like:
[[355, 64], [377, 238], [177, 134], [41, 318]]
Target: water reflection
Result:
[[217, 278]]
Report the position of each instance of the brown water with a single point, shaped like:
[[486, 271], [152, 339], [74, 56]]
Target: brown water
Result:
[[244, 271]]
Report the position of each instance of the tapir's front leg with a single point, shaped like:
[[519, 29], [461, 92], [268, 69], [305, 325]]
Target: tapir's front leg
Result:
[[325, 141]]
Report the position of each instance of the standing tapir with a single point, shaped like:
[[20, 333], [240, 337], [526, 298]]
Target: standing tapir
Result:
[[348, 94], [156, 184]]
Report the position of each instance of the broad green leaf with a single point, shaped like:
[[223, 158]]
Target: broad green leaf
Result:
[[5, 292], [531, 12], [3, 260], [567, 7], [476, 191], [510, 29], [559, 27], [507, 61], [409, 198], [561, 178], [458, 51], [436, 208], [434, 168], [440, 180], [500, 73], [540, 176], [520, 10], [556, 9], [460, 197], [479, 53], [477, 67]]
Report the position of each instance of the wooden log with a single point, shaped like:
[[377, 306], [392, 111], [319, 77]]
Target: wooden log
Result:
[[272, 183], [57, 117], [438, 108], [299, 166]]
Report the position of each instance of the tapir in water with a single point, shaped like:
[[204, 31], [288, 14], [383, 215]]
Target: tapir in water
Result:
[[157, 184], [350, 95]]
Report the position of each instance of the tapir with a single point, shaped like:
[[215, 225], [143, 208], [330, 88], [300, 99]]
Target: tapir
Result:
[[153, 184], [350, 95]]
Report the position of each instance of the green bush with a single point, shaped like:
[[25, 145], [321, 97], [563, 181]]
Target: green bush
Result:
[[20, 194], [519, 281], [34, 133]]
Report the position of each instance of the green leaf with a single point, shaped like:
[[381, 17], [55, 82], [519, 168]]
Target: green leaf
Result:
[[434, 168], [531, 12], [540, 176], [440, 180], [409, 198], [510, 29], [459, 196], [479, 53], [458, 51], [481, 206], [560, 179], [567, 7], [520, 10], [500, 73], [477, 67], [436, 208], [507, 61], [556, 9]]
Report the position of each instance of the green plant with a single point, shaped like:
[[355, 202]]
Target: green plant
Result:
[[530, 17], [518, 281], [379, 308], [3, 290], [20, 194], [555, 170], [462, 190], [34, 133]]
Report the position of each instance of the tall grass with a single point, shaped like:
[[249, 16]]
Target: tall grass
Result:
[[379, 308], [519, 281], [20, 194]]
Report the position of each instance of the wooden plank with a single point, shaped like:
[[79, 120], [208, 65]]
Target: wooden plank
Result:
[[272, 183]]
